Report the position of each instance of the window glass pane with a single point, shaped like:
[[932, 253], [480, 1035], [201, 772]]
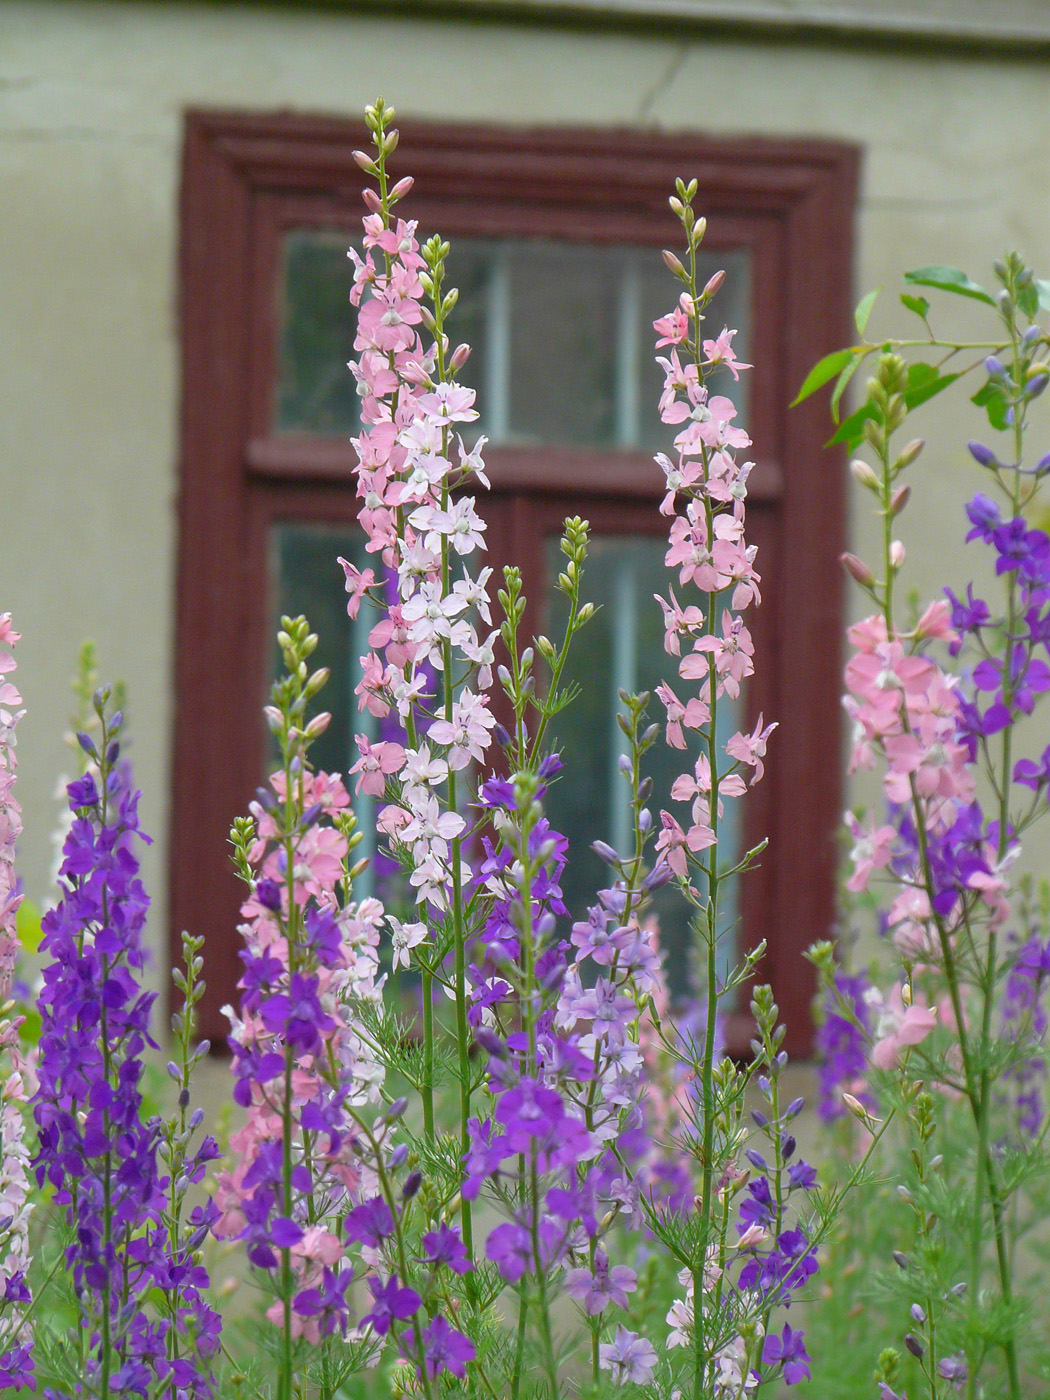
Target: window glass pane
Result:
[[561, 337], [315, 390], [621, 648]]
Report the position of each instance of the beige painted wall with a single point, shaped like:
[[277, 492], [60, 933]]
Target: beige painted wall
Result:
[[91, 102]]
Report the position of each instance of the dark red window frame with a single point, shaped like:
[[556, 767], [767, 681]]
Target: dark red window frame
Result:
[[247, 181]]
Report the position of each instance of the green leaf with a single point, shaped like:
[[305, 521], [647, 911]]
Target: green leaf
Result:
[[919, 373], [824, 370], [917, 304], [948, 279], [927, 388], [863, 311], [991, 400], [840, 384], [851, 429], [1028, 300]]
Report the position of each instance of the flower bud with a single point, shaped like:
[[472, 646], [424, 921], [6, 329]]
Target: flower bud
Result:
[[900, 499], [674, 264], [713, 284], [897, 554], [909, 452], [412, 1184], [913, 1344], [854, 1106], [403, 187], [864, 475], [857, 570], [983, 456], [660, 875], [318, 725]]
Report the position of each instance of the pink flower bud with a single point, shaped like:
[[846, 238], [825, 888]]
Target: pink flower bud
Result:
[[713, 284], [897, 554], [857, 570], [862, 474], [403, 186]]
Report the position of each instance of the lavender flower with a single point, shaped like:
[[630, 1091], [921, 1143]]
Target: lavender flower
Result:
[[629, 1358]]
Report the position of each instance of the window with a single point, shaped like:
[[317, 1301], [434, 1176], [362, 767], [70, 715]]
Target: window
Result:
[[542, 223]]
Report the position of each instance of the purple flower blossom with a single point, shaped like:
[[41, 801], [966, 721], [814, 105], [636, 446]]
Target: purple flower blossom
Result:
[[605, 1285], [326, 1304], [445, 1246], [445, 1349], [391, 1304], [789, 1351], [954, 1369], [369, 1224], [985, 518]]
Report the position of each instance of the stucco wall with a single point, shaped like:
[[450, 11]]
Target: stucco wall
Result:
[[91, 102]]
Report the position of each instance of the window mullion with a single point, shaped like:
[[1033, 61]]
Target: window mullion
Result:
[[628, 344], [498, 343]]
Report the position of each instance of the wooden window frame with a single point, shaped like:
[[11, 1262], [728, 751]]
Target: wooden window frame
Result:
[[250, 178]]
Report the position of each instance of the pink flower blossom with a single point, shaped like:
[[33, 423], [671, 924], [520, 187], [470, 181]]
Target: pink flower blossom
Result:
[[720, 352]]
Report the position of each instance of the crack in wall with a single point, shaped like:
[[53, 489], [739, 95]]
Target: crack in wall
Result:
[[673, 68]]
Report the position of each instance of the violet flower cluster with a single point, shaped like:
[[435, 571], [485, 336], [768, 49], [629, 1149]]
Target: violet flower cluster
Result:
[[94, 1149]]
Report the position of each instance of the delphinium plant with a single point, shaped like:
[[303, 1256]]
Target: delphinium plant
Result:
[[96, 1151], [489, 1176], [304, 1071], [942, 699]]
